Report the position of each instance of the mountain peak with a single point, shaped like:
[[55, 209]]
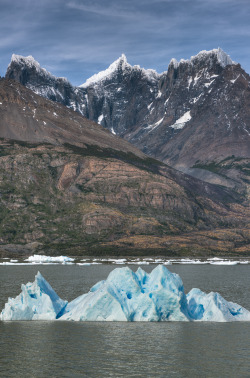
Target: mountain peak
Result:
[[20, 63], [222, 57], [121, 62], [206, 56], [25, 60]]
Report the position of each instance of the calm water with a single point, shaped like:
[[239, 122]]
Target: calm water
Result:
[[70, 349]]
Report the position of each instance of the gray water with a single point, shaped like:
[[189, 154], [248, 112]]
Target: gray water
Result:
[[174, 349]]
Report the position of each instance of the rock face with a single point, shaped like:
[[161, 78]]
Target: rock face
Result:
[[197, 112], [63, 199]]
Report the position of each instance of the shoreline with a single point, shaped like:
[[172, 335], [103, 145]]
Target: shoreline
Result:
[[146, 260]]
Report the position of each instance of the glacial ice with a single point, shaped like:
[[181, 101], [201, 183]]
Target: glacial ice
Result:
[[125, 296], [47, 259], [37, 301]]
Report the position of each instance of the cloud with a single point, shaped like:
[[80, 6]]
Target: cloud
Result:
[[78, 38]]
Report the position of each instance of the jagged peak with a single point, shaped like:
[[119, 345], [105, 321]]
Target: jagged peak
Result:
[[30, 62], [222, 58], [120, 63], [27, 61]]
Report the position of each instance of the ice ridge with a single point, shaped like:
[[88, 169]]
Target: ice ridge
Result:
[[125, 296]]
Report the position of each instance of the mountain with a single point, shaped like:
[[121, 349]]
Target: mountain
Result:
[[118, 97], [28, 117], [193, 116], [67, 185], [27, 71], [115, 98]]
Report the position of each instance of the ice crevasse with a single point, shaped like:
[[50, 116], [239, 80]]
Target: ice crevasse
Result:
[[124, 296]]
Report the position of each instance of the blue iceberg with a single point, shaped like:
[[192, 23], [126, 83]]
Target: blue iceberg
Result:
[[125, 296], [37, 301]]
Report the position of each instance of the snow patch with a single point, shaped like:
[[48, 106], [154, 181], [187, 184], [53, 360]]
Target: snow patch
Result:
[[233, 81], [100, 118], [156, 124], [207, 85], [195, 99], [180, 123]]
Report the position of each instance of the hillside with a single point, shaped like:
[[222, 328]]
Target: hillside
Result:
[[69, 185]]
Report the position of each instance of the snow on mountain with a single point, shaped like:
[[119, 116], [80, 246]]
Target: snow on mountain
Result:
[[31, 63], [150, 110], [119, 64], [102, 75], [206, 56], [180, 123]]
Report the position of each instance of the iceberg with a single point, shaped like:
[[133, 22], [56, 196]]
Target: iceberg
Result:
[[214, 308], [41, 259], [124, 296], [37, 301]]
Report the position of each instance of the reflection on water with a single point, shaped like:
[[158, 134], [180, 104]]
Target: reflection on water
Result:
[[70, 349]]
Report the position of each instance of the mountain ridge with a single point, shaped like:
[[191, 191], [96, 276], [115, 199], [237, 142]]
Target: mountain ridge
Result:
[[195, 113]]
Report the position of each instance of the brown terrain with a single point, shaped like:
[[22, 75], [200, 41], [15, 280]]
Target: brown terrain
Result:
[[69, 186]]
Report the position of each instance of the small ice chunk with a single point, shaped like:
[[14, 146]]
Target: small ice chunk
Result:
[[45, 259]]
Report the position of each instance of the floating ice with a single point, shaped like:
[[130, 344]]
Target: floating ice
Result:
[[45, 259], [214, 308], [129, 296], [37, 301], [125, 296]]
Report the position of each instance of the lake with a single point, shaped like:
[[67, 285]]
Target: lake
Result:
[[71, 349]]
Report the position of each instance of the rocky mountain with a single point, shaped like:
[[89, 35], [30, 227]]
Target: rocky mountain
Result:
[[195, 114], [28, 117], [67, 185]]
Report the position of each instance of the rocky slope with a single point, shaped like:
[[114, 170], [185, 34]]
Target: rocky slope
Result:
[[31, 118], [195, 113], [68, 185], [60, 199]]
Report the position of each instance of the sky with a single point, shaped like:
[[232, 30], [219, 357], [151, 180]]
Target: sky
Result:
[[78, 38]]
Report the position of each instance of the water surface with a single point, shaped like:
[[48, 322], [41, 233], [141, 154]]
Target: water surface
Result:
[[71, 349]]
